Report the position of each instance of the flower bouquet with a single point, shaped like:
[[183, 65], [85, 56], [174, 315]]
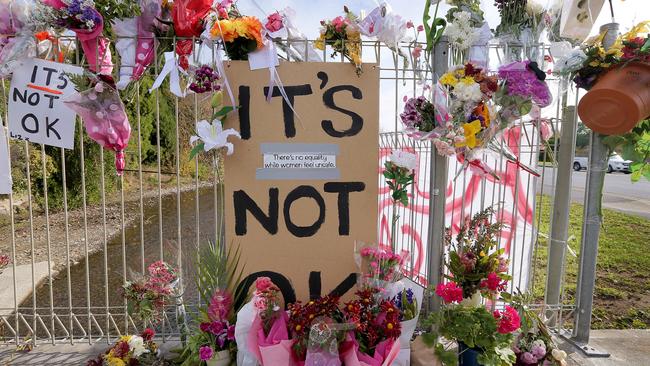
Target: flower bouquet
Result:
[[483, 338], [103, 114], [215, 340], [146, 297], [379, 267], [534, 344], [377, 328], [465, 29], [188, 17], [130, 350], [474, 262], [16, 41], [268, 338], [303, 316], [342, 34], [81, 17], [522, 84], [240, 34]]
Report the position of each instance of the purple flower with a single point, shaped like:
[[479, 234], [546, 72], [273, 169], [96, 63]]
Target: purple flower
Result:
[[539, 351], [521, 81], [528, 358], [206, 353]]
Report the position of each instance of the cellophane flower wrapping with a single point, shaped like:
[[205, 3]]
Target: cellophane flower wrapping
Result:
[[136, 44], [245, 318], [273, 348], [385, 353], [385, 26], [379, 266], [96, 47], [16, 44], [104, 118], [324, 339], [407, 325], [188, 18]]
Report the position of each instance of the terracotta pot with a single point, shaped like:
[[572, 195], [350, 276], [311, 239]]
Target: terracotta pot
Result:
[[221, 358], [619, 100]]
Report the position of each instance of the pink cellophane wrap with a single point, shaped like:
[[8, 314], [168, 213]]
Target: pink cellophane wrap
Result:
[[96, 48], [136, 44], [385, 353], [274, 348], [104, 118]]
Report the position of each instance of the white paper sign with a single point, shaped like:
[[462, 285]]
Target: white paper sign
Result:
[[36, 110], [5, 171], [299, 161]]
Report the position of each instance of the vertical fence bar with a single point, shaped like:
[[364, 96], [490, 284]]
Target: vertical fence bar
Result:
[[559, 231], [437, 187]]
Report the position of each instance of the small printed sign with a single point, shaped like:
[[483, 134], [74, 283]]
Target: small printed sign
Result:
[[36, 109]]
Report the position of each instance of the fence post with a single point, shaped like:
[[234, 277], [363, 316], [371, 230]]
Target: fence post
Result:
[[592, 219], [559, 232], [437, 186]]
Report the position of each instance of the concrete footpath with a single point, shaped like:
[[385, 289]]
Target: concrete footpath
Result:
[[627, 348]]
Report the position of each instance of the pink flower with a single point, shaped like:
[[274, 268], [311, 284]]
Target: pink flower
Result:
[[274, 22], [508, 321], [528, 358], [259, 303], [206, 353], [417, 52], [263, 283], [494, 283], [409, 24], [450, 292], [420, 28], [339, 23], [219, 305]]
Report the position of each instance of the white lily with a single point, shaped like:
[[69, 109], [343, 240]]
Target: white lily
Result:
[[214, 136]]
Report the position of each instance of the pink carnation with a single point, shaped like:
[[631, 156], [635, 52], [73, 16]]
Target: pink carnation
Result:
[[339, 23], [450, 292], [206, 353], [263, 283], [494, 283], [259, 303], [508, 321], [274, 22]]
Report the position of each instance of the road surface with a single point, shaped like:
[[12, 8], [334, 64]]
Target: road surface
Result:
[[619, 192]]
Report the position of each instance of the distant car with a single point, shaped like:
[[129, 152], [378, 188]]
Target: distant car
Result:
[[614, 164]]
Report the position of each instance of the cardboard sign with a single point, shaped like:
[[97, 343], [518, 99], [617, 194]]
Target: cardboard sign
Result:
[[5, 171], [36, 110], [301, 190]]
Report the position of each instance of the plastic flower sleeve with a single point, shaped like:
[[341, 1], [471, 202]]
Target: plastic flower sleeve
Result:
[[188, 22], [104, 118], [245, 318], [16, 42], [274, 348], [386, 26], [136, 43], [296, 38], [324, 339], [384, 355], [95, 47]]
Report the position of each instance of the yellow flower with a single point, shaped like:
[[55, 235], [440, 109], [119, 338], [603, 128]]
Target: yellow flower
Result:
[[482, 254], [470, 130], [605, 65], [594, 63], [319, 44], [448, 79], [467, 80]]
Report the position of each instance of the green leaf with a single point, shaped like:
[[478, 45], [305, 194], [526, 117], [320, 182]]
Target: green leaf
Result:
[[196, 149], [429, 339], [222, 112]]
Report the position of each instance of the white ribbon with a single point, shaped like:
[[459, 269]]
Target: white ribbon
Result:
[[171, 69]]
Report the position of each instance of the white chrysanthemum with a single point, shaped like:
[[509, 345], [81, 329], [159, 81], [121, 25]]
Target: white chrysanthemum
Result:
[[136, 343], [460, 32], [468, 92]]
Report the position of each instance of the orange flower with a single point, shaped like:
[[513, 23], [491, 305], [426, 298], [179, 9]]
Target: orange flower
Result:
[[245, 27]]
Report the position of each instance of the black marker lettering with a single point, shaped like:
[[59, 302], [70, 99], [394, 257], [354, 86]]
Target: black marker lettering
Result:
[[243, 202], [297, 193], [357, 121], [287, 113], [344, 189]]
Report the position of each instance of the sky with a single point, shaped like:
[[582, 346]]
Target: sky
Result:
[[310, 12]]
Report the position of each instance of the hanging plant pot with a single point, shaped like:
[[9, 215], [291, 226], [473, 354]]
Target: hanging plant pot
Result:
[[468, 356], [618, 101]]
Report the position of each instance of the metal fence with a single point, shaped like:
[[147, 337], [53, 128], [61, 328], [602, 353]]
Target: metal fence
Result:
[[76, 232]]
